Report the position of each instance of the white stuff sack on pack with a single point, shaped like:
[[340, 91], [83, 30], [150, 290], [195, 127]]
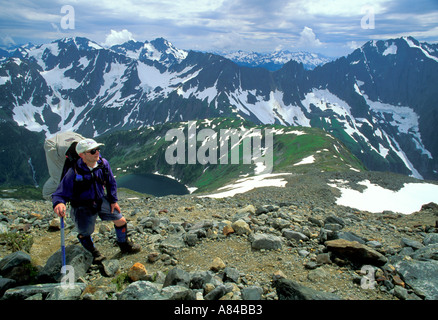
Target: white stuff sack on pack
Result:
[[55, 149]]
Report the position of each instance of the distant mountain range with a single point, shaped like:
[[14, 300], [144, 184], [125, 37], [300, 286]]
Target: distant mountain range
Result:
[[380, 100], [275, 61]]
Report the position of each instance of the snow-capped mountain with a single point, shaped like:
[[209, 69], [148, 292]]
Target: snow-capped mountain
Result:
[[159, 50], [380, 100], [275, 61]]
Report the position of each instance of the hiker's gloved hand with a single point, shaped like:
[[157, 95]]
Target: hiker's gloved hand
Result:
[[115, 206], [60, 210]]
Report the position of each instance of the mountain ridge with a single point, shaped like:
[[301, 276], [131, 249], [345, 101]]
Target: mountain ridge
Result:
[[76, 84], [277, 59]]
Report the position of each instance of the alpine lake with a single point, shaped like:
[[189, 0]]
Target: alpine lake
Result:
[[153, 184]]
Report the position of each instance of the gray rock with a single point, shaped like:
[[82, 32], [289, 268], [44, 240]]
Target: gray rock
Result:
[[244, 213], [173, 241], [191, 239], [280, 223], [401, 293], [140, 290], [430, 238], [6, 284], [110, 267], [334, 219], [422, 276], [323, 258], [294, 235], [333, 226], [75, 256], [355, 252], [177, 276], [199, 279], [231, 274], [311, 265], [216, 293], [66, 292], [303, 253], [265, 241], [252, 293], [374, 244], [12, 260], [346, 235], [177, 293], [426, 253], [405, 242], [291, 290], [24, 292], [316, 222]]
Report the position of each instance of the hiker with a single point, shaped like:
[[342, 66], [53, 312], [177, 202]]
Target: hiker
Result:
[[84, 187]]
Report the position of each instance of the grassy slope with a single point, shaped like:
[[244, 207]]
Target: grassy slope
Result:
[[143, 151]]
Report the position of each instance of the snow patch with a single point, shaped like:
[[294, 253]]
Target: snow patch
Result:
[[308, 160], [392, 49], [413, 45], [376, 199], [247, 184]]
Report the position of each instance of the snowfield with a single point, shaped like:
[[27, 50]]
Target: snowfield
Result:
[[247, 184], [376, 199]]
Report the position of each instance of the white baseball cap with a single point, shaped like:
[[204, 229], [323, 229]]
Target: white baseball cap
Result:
[[87, 144]]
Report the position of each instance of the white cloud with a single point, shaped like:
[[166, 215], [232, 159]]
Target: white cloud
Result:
[[353, 45], [7, 41], [117, 37], [308, 38], [344, 8]]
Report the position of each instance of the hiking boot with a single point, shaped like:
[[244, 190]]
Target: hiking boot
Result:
[[125, 245], [88, 244], [129, 247], [97, 256]]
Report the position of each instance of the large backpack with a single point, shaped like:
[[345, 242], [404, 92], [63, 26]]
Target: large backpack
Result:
[[60, 156]]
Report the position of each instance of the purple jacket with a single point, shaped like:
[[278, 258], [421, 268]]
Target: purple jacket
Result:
[[84, 186]]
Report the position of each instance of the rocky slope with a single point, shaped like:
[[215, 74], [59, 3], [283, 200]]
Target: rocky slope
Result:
[[269, 243]]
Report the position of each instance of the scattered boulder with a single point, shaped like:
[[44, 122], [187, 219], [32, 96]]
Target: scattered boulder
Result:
[[110, 267], [241, 227], [72, 292], [292, 290], [265, 241], [294, 235], [44, 291], [15, 259], [252, 293], [75, 256], [431, 238], [405, 242], [177, 276], [216, 293], [140, 290], [217, 264], [137, 272], [15, 266], [355, 252], [422, 276], [5, 284]]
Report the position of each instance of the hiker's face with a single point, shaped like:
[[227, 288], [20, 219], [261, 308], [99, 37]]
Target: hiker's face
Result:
[[90, 156]]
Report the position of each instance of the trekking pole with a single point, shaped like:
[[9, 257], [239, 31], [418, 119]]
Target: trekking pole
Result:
[[63, 246]]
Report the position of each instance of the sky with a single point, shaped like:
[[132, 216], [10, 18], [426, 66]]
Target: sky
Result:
[[332, 28]]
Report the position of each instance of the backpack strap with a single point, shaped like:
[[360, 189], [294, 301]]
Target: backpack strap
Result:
[[71, 157]]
